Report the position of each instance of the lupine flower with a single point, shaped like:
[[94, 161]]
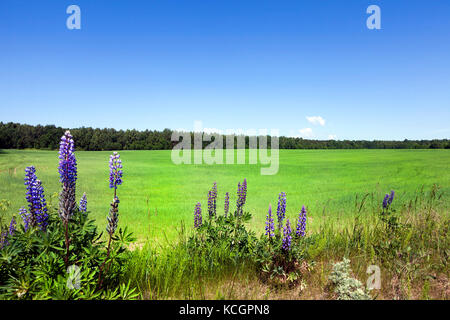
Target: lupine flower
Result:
[[301, 223], [281, 210], [113, 217], [287, 236], [38, 215], [227, 203], [214, 195], [25, 217], [115, 172], [270, 228], [391, 197], [83, 203], [244, 191], [4, 235], [211, 204], [385, 201], [12, 226], [241, 197], [198, 215], [68, 176]]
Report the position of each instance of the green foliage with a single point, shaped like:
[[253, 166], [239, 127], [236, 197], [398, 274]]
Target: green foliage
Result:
[[32, 264]]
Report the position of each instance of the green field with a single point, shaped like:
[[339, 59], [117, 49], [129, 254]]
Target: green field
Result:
[[157, 194]]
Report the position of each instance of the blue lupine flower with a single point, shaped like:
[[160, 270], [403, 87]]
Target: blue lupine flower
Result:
[[68, 176], [211, 212], [38, 212], [301, 223], [385, 201], [115, 170], [227, 203], [83, 203], [67, 161], [12, 226], [25, 217], [391, 197], [270, 228], [287, 236], [198, 215], [241, 197], [281, 210]]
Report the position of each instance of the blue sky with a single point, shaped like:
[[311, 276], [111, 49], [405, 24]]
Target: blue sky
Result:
[[230, 64]]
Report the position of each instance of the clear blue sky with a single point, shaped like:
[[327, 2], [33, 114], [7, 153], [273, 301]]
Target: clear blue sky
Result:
[[231, 64]]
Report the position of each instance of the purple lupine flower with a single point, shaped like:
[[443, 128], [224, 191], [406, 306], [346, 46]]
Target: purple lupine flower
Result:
[[38, 212], [68, 176], [83, 203], [25, 217], [244, 191], [12, 226], [287, 236], [385, 201], [391, 197], [198, 215], [113, 217], [281, 209], [301, 223], [227, 203], [270, 228], [214, 195], [211, 204], [115, 172]]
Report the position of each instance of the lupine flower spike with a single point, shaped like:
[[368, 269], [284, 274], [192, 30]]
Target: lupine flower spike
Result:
[[301, 223], [198, 215], [25, 217], [83, 203], [287, 236], [281, 210], [227, 203], [385, 201], [270, 228], [37, 205], [68, 176]]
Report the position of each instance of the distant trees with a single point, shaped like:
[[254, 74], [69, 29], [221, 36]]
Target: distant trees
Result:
[[21, 136]]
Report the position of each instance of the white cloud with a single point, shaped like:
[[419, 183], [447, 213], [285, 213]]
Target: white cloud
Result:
[[306, 133], [332, 137], [316, 120]]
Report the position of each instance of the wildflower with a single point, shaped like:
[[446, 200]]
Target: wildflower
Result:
[[227, 203], [115, 171], [270, 228], [83, 203], [287, 236], [68, 176], [385, 201], [391, 197], [244, 191], [198, 215], [211, 204], [241, 197], [12, 226], [38, 212], [25, 217], [301, 223], [113, 217], [281, 210]]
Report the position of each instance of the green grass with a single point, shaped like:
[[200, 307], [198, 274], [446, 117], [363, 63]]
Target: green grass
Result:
[[156, 194]]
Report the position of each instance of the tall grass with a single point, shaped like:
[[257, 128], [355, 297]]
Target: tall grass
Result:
[[413, 259]]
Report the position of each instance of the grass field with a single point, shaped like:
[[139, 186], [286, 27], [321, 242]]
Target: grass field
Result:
[[157, 194]]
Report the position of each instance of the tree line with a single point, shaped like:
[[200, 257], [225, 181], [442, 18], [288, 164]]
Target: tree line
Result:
[[22, 136]]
